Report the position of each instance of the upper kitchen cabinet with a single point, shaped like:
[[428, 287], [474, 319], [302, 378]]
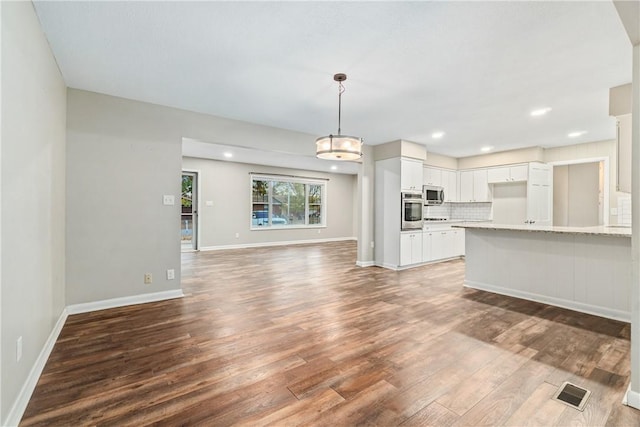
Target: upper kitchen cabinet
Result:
[[432, 176], [450, 185], [474, 186], [620, 103], [502, 174], [411, 174]]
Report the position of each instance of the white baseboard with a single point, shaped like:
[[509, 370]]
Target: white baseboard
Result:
[[365, 263], [21, 402], [17, 410], [609, 313], [283, 243], [124, 301], [631, 398]]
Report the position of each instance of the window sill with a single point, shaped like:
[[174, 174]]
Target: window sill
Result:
[[288, 227]]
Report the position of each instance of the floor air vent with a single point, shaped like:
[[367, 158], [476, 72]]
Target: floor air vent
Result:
[[572, 395]]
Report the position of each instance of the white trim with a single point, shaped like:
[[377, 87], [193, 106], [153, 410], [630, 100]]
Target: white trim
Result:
[[283, 243], [124, 301], [631, 398], [606, 196], [17, 410], [365, 263], [620, 315]]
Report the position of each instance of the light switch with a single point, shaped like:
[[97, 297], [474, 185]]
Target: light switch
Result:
[[208, 203], [168, 199]]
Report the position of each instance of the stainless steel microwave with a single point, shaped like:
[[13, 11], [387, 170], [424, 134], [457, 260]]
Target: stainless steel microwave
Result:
[[432, 195]]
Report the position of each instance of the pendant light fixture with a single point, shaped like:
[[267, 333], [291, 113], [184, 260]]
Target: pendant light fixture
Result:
[[339, 147]]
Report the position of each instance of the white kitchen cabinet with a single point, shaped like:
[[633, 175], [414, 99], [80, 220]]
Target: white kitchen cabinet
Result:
[[426, 246], [502, 174], [539, 194], [450, 185], [458, 241], [432, 176], [474, 186], [466, 186], [481, 186], [411, 174], [410, 248], [438, 238]]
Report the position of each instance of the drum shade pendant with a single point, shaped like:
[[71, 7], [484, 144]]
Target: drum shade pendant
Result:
[[339, 147]]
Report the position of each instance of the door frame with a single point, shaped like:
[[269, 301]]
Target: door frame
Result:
[[196, 235], [606, 206]]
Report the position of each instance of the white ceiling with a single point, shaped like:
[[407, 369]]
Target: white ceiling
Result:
[[474, 70]]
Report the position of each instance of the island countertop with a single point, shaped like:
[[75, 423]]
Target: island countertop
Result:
[[600, 230]]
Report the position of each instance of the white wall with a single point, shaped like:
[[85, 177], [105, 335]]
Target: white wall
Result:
[[228, 186], [33, 195]]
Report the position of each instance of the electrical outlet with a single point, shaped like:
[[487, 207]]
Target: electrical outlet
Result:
[[148, 278], [237, 235], [18, 349], [171, 274], [168, 199], [373, 245], [319, 231]]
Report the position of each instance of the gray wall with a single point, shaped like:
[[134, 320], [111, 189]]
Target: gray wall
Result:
[[33, 195], [228, 186], [123, 156]]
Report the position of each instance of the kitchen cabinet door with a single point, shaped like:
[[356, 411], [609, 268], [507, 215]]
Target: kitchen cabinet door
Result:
[[450, 185], [411, 175], [498, 175], [426, 246], [539, 194], [410, 248], [458, 242], [438, 244], [466, 186], [432, 176], [480, 186], [519, 173]]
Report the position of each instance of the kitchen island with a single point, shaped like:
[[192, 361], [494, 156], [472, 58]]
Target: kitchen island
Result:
[[586, 269]]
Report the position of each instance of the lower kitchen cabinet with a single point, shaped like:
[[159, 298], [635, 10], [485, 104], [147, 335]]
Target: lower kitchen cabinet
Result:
[[410, 248], [442, 244]]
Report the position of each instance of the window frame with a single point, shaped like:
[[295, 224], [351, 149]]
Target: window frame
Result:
[[307, 182]]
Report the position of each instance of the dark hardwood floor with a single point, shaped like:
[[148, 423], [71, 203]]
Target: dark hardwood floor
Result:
[[301, 336]]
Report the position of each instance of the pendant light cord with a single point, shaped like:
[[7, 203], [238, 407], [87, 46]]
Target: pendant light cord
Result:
[[340, 91]]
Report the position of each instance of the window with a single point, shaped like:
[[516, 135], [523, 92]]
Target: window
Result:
[[278, 202]]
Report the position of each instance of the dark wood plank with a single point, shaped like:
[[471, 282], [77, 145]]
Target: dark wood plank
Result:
[[299, 335]]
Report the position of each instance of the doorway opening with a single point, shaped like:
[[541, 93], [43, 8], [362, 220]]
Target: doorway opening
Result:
[[580, 196], [189, 216]]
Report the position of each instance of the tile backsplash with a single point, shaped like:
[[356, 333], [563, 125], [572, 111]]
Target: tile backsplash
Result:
[[624, 210], [463, 211]]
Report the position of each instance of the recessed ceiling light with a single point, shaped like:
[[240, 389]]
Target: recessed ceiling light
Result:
[[228, 155], [576, 134], [487, 148], [437, 135], [540, 111], [334, 167]]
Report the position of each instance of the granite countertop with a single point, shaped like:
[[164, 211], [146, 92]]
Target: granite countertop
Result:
[[599, 230]]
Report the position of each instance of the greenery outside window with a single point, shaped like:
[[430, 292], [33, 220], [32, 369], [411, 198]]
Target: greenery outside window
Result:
[[283, 202]]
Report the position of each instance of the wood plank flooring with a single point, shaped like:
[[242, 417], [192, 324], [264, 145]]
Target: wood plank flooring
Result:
[[299, 335]]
